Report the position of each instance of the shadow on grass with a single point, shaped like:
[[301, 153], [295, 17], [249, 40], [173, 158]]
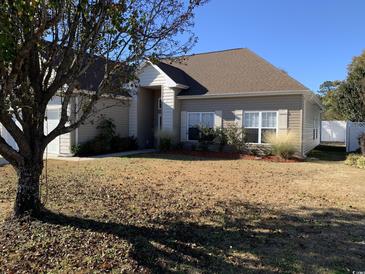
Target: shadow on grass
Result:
[[241, 238], [328, 153]]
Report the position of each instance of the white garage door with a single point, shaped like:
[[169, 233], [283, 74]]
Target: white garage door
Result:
[[49, 125], [53, 116]]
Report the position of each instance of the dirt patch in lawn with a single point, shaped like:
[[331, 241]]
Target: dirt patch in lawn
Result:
[[175, 213]]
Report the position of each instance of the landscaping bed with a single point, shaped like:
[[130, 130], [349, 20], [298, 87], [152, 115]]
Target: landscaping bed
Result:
[[234, 155]]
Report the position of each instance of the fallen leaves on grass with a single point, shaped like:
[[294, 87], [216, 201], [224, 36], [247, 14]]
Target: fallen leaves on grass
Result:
[[151, 215]]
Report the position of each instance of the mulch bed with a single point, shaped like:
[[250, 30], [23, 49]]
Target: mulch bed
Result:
[[234, 155]]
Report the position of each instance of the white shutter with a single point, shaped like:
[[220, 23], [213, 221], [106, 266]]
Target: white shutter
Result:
[[183, 127], [238, 116], [283, 120], [218, 119]]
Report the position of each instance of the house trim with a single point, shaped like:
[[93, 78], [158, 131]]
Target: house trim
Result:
[[170, 83]]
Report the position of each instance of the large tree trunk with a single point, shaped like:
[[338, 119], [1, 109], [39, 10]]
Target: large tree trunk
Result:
[[28, 200]]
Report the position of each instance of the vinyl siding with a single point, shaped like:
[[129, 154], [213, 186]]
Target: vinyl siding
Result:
[[311, 111], [168, 106], [65, 144], [293, 103], [133, 115], [117, 110], [150, 76]]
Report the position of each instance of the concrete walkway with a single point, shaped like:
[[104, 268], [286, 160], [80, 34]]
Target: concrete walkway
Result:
[[111, 155], [75, 159]]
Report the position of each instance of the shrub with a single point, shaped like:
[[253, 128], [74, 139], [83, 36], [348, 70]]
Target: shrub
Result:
[[260, 150], [106, 129], [123, 143], [179, 146], [107, 141], [361, 162], [351, 159], [165, 138], [206, 138], [282, 144], [235, 136]]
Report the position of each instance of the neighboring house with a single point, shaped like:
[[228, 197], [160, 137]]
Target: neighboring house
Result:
[[212, 89]]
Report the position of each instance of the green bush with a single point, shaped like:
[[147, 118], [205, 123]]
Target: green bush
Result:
[[235, 136], [107, 141], [123, 143], [106, 129], [352, 159], [165, 140], [231, 135], [282, 145], [179, 146]]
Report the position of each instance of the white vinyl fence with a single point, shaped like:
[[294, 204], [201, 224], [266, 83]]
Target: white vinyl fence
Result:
[[354, 130], [333, 131], [343, 132]]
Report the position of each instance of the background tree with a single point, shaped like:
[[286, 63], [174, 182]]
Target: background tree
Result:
[[350, 95], [47, 45], [327, 94]]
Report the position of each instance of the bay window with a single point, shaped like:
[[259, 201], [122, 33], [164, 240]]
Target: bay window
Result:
[[258, 124], [197, 120]]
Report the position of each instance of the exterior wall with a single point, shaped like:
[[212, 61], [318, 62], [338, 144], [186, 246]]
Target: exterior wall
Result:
[[228, 106], [168, 104], [177, 119], [311, 112], [150, 76], [117, 110], [66, 140], [133, 115]]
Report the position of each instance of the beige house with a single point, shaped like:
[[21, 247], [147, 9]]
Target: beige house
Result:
[[217, 88], [211, 89]]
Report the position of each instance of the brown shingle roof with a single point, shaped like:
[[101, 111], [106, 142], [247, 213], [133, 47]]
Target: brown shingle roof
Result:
[[227, 72]]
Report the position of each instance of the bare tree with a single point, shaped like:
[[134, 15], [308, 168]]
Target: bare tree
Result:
[[47, 46]]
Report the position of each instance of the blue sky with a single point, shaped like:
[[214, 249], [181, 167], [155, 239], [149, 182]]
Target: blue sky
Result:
[[313, 40]]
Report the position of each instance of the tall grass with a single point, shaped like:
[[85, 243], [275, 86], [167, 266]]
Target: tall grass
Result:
[[282, 144]]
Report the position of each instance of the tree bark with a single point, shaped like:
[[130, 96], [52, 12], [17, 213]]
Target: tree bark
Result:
[[28, 200]]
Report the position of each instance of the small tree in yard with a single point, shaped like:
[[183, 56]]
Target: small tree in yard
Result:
[[46, 46]]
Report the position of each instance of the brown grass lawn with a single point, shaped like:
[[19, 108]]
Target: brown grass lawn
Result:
[[163, 213]]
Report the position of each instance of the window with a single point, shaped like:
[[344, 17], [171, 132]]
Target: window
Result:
[[258, 124], [196, 120], [315, 128], [159, 103]]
